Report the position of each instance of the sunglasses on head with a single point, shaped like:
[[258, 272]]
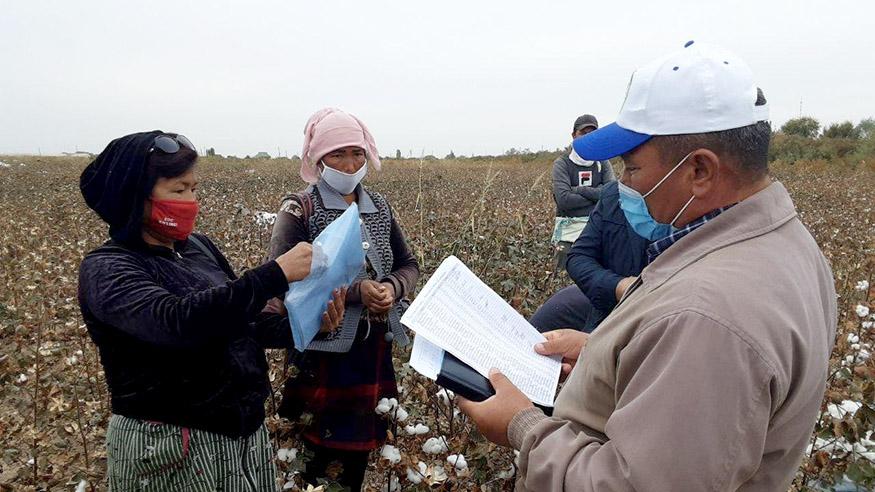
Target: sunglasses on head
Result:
[[171, 145]]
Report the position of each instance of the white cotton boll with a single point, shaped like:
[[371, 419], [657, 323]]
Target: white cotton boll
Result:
[[265, 218], [21, 378], [383, 406], [849, 359], [392, 486], [847, 407], [458, 462], [435, 445], [851, 407], [413, 476], [82, 486], [30, 462], [855, 346], [509, 473], [416, 476], [862, 311], [390, 453], [285, 454], [863, 285], [416, 430], [868, 324], [445, 396], [852, 338], [401, 415], [438, 474], [289, 485]]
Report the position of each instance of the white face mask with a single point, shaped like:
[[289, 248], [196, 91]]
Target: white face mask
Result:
[[342, 182], [580, 161]]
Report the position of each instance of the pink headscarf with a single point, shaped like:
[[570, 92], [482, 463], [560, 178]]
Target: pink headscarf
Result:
[[330, 129]]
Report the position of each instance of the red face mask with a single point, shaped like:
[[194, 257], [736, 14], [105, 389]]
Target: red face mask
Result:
[[173, 218]]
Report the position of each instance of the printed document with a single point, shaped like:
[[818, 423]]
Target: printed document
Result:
[[459, 313]]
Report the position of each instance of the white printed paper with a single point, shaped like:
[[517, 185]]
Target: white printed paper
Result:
[[459, 313], [426, 358]]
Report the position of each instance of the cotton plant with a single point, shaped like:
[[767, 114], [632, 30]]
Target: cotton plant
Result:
[[390, 453], [846, 407], [446, 396], [435, 445], [416, 430], [417, 475], [457, 461], [393, 485], [287, 454], [390, 408]]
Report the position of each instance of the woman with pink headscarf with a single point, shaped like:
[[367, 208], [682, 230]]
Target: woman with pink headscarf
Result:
[[343, 375]]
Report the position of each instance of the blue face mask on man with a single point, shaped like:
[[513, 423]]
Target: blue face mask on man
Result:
[[635, 209]]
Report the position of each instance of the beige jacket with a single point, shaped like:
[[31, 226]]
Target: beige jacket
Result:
[[708, 375]]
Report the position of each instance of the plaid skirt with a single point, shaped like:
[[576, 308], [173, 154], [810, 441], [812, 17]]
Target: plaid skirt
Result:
[[341, 390], [145, 457]]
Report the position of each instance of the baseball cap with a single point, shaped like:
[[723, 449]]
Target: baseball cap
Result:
[[698, 89], [585, 121]]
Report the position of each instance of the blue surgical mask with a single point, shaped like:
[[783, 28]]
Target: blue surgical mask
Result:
[[637, 214], [343, 182]]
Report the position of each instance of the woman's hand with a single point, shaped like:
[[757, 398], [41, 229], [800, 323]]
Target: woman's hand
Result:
[[333, 315], [296, 261], [377, 297]]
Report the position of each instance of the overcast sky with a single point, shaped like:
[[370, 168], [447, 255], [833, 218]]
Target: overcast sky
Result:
[[468, 76]]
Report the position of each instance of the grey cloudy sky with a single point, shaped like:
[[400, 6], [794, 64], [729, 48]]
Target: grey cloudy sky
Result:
[[472, 77]]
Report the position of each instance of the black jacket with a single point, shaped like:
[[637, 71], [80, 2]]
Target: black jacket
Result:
[[606, 251], [181, 338]]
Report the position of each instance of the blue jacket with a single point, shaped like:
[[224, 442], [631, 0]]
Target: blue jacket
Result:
[[606, 251]]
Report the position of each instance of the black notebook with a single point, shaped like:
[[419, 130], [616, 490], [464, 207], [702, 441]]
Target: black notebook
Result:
[[462, 380]]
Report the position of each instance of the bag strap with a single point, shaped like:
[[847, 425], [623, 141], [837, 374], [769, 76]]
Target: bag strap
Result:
[[197, 243]]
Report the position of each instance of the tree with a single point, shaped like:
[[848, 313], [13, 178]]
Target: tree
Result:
[[845, 129], [211, 151], [866, 128], [397, 153], [803, 127], [451, 155]]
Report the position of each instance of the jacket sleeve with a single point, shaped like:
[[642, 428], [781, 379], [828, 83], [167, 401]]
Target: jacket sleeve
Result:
[[585, 264], [594, 193], [119, 291], [272, 330], [405, 268], [692, 412], [565, 195]]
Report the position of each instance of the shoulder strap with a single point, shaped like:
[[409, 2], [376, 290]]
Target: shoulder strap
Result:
[[197, 243], [306, 205]]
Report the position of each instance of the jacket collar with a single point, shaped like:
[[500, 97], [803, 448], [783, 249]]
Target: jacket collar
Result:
[[333, 200], [759, 214]]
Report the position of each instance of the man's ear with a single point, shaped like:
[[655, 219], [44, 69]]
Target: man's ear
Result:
[[706, 171]]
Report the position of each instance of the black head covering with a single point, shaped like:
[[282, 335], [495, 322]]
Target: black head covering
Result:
[[116, 184], [585, 121]]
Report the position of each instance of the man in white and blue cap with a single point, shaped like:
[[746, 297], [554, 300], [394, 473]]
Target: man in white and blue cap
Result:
[[710, 372]]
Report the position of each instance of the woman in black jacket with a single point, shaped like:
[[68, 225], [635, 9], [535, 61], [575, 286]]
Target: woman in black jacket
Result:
[[180, 336]]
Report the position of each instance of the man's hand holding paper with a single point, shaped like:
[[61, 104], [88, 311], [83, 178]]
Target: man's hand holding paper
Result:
[[460, 314]]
